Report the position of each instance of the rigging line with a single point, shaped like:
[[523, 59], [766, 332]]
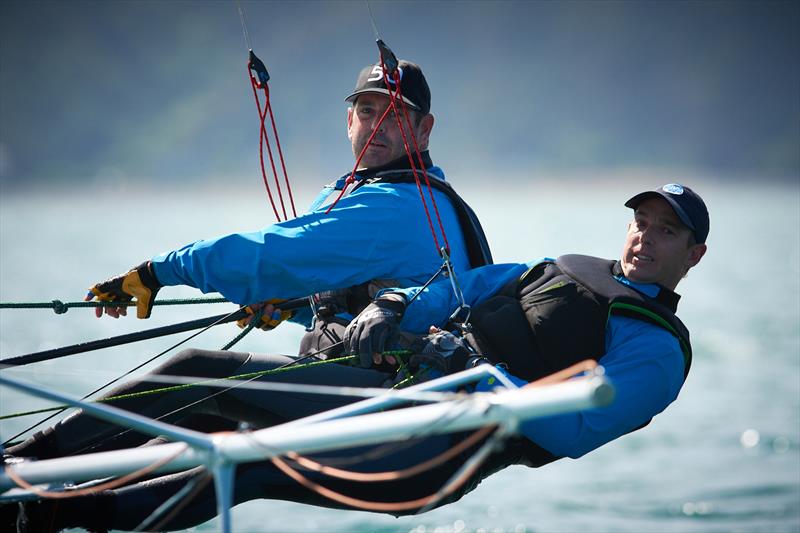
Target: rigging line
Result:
[[60, 307], [134, 369], [247, 42], [459, 478], [392, 105], [262, 133], [351, 178], [265, 139], [372, 19], [468, 469], [261, 81], [460, 404], [178, 383], [208, 397], [404, 107], [370, 477], [125, 338], [283, 163], [397, 96]]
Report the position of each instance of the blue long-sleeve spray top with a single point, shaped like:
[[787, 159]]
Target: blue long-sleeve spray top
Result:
[[643, 361], [379, 231]]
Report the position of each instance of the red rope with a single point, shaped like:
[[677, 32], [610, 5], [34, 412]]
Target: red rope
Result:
[[398, 96], [260, 149], [264, 140], [351, 178], [283, 164]]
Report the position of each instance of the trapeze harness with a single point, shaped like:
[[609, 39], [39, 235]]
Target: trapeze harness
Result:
[[531, 326], [354, 299]]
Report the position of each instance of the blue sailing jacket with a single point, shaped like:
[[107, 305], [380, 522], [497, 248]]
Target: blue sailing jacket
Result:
[[379, 231]]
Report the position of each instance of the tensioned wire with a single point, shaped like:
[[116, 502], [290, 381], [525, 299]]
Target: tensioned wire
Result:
[[250, 326], [60, 307], [245, 381]]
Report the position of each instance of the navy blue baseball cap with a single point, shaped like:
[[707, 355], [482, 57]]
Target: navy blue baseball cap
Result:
[[686, 203], [413, 86]]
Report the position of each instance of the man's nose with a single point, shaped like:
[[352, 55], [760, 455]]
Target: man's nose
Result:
[[647, 235]]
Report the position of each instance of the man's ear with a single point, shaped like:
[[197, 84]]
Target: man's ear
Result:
[[349, 123], [424, 131], [696, 253]]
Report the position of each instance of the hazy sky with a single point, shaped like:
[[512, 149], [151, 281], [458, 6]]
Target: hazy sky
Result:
[[157, 90]]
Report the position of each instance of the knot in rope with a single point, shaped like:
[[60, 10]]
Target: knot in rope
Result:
[[60, 307]]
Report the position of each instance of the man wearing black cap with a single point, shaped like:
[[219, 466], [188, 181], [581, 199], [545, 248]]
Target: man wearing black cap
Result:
[[376, 236], [371, 98]]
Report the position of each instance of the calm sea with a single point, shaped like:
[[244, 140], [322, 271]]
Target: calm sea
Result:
[[725, 457]]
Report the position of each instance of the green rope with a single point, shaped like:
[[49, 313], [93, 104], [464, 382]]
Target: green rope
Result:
[[60, 307], [255, 320], [175, 388]]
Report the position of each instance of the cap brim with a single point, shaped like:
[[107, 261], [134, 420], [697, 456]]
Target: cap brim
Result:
[[356, 94], [634, 202]]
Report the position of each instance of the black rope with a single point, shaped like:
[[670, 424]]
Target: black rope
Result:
[[60, 307]]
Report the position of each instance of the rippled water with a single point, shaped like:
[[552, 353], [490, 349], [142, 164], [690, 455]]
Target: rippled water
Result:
[[725, 457]]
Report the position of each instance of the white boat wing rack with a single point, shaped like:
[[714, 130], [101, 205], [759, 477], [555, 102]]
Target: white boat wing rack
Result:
[[353, 425]]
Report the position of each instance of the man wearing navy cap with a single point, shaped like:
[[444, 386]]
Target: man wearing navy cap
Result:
[[663, 260], [537, 318]]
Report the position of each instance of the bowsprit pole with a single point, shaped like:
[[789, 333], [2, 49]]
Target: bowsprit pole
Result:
[[259, 78]]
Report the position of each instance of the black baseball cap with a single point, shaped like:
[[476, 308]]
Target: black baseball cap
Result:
[[413, 87], [686, 203]]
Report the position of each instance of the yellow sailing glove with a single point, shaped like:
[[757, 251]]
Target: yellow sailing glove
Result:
[[271, 315], [140, 283]]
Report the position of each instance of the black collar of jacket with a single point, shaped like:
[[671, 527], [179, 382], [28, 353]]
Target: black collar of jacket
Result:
[[665, 296], [401, 163]]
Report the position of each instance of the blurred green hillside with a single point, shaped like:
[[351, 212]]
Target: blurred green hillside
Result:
[[158, 91]]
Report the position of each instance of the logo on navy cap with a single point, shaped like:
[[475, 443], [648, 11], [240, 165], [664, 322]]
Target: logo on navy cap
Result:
[[672, 188], [377, 74]]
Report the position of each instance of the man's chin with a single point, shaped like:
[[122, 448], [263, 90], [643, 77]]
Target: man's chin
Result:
[[373, 162], [640, 274]]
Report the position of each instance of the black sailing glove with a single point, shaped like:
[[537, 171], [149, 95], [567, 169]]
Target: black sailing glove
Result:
[[443, 353], [140, 282], [374, 328]]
